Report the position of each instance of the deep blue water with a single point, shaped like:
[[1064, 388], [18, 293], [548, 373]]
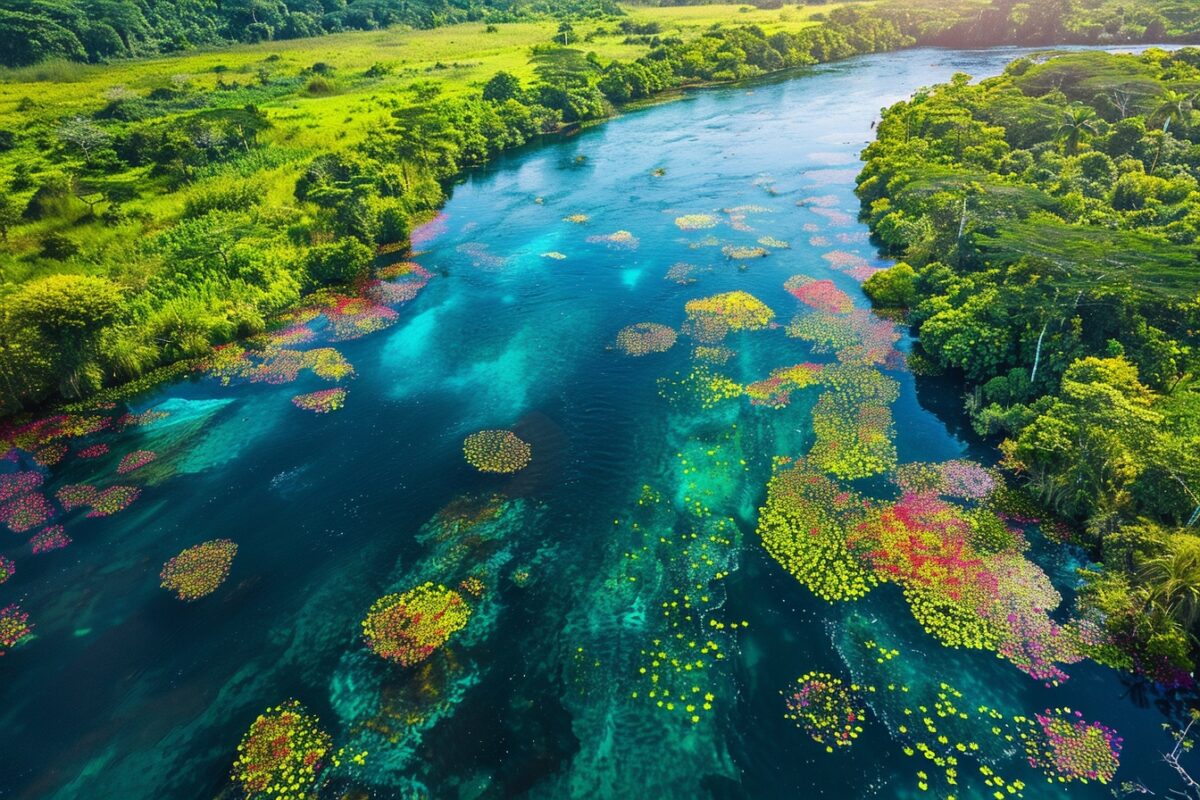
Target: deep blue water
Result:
[[125, 692]]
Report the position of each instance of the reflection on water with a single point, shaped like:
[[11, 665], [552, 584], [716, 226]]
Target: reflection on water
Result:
[[627, 633]]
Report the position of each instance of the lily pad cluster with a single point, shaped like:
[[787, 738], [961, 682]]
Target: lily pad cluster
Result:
[[283, 754], [822, 295], [497, 451], [322, 401], [53, 537], [1068, 748], [199, 570], [776, 390], [408, 627], [645, 338], [710, 319]]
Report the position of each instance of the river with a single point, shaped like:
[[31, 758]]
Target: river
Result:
[[625, 548]]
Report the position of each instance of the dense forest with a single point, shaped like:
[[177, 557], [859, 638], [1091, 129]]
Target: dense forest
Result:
[[1049, 225], [102, 30]]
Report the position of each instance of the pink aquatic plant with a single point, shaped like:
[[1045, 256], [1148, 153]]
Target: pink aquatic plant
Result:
[[321, 402], [75, 495], [135, 460], [51, 538], [93, 451], [1068, 748], [13, 484], [822, 295], [26, 512]]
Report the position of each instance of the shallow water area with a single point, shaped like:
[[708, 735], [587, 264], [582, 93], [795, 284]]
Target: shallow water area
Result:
[[628, 635]]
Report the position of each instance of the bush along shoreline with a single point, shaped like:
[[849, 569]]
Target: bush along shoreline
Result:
[[1047, 223]]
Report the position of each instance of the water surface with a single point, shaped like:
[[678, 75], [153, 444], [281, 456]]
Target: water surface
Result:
[[127, 693]]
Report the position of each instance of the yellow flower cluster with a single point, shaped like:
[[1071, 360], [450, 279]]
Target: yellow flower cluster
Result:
[[407, 627], [695, 222], [198, 571], [805, 526], [826, 709], [711, 318], [282, 755], [497, 451]]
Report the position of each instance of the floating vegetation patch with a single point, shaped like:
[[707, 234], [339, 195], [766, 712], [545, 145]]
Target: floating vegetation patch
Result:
[[826, 709], [50, 538], [773, 243], [275, 365], [14, 627], [577, 219], [26, 512], [710, 354], [283, 754], [75, 495], [776, 390], [113, 500], [50, 454], [683, 273], [695, 222], [710, 319], [497, 451], [7, 568], [406, 628], [93, 451], [354, 317], [482, 256], [13, 484], [843, 260], [743, 252], [835, 217], [620, 240], [805, 526], [819, 241], [960, 479], [554, 255], [200, 570], [135, 460], [644, 338], [822, 295], [857, 237], [1068, 748], [322, 401], [819, 201], [859, 337], [423, 234], [399, 283], [291, 335], [853, 422], [707, 241], [701, 387]]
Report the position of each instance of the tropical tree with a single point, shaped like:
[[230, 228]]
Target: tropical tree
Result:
[[1078, 122]]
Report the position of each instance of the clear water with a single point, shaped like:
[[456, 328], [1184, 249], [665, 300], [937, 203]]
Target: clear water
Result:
[[128, 693]]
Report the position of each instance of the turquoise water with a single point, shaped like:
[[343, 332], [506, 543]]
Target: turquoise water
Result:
[[125, 692]]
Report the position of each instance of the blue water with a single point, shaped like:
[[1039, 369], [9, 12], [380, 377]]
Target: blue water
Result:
[[124, 692]]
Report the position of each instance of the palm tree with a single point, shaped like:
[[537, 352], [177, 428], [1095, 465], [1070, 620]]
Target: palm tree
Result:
[[1170, 106], [1078, 121], [1173, 579]]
